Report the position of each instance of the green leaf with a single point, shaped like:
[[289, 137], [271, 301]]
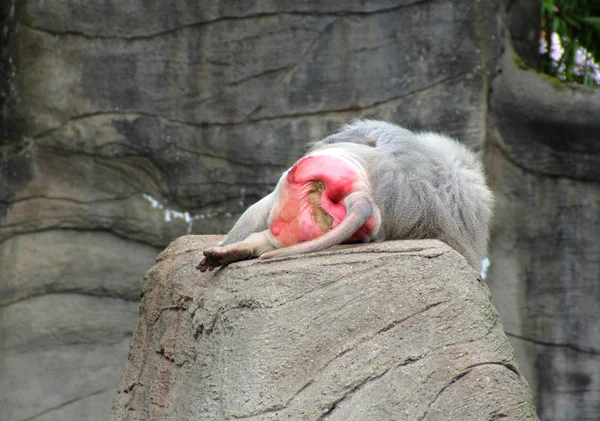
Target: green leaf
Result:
[[547, 7], [562, 28], [555, 25], [594, 21], [572, 22], [577, 24]]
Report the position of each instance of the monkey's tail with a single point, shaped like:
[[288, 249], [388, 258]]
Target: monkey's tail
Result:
[[359, 209]]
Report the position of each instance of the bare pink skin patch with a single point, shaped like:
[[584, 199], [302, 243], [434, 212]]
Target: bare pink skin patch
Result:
[[311, 200]]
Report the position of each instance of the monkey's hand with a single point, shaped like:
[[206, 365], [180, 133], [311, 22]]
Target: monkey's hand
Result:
[[220, 256], [203, 266]]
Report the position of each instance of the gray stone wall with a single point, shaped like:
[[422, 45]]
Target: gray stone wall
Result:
[[126, 124]]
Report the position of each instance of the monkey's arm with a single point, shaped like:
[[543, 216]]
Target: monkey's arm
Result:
[[255, 219], [253, 246], [248, 238], [359, 209]]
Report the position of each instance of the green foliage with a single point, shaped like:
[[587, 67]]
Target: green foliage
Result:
[[576, 54]]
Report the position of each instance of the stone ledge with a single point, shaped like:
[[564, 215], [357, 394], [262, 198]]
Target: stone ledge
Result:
[[399, 330]]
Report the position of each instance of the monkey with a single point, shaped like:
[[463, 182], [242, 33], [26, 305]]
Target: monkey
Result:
[[370, 181]]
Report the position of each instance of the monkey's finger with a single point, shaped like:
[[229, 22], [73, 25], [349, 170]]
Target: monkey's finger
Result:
[[201, 263], [205, 268]]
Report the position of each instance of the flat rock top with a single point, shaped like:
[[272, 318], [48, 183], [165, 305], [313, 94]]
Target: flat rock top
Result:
[[424, 248], [399, 330]]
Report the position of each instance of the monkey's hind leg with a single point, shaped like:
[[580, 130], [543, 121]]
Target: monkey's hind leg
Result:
[[253, 246]]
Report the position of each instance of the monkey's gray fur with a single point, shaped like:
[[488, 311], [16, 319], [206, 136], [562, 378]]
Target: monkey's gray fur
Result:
[[425, 185]]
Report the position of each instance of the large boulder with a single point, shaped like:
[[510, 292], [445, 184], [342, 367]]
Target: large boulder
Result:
[[399, 330]]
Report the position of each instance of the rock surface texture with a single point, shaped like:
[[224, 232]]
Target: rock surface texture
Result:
[[126, 124], [544, 167], [398, 330]]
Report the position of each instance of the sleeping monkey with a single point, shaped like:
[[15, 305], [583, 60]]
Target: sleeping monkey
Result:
[[371, 181]]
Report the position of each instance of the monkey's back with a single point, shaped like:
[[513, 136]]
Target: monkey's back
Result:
[[426, 185]]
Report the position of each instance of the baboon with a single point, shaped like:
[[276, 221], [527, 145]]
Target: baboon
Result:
[[371, 181]]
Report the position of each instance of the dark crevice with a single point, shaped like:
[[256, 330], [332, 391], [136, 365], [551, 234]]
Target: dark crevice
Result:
[[538, 172], [446, 386], [248, 120], [511, 367], [226, 18], [335, 403], [64, 405], [568, 346], [69, 200], [31, 295]]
